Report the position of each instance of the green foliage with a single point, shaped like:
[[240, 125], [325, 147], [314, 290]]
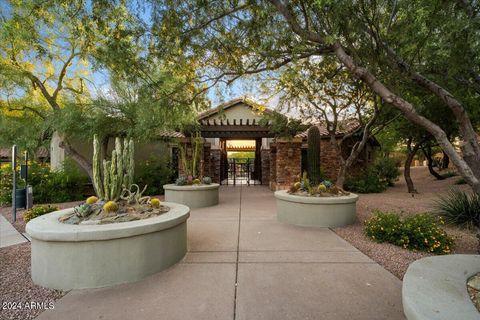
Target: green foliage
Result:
[[313, 155], [367, 182], [387, 169], [37, 211], [376, 178], [449, 174], [282, 126], [460, 181], [49, 186], [460, 208], [417, 232], [154, 173], [242, 155]]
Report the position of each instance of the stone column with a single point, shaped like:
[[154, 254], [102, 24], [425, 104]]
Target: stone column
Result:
[[265, 154], [288, 162]]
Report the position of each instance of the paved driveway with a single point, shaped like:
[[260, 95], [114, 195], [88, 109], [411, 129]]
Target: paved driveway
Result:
[[243, 264]]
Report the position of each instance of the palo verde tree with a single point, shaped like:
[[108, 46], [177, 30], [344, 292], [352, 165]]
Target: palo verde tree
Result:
[[50, 51], [432, 45]]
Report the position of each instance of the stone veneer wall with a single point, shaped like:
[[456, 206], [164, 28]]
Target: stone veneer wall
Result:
[[265, 157], [330, 164], [215, 163], [328, 159], [272, 181], [286, 165]]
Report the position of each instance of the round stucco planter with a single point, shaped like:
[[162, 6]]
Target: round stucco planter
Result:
[[316, 211], [193, 196], [436, 288], [90, 256]]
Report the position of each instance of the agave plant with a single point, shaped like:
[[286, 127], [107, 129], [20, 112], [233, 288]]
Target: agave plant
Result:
[[460, 208]]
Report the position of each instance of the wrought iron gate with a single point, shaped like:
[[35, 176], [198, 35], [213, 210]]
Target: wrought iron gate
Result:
[[241, 171]]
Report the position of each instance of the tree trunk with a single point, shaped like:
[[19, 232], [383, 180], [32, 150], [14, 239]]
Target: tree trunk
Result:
[[464, 166], [77, 157], [445, 160], [427, 151], [341, 176], [408, 164]]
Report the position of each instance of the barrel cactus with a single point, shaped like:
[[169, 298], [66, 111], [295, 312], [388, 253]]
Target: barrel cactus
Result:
[[322, 188], [197, 181], [91, 200], [313, 155], [110, 206], [155, 203]]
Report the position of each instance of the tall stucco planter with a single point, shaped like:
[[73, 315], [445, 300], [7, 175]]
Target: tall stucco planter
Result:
[[195, 196], [68, 256], [316, 211], [436, 288]]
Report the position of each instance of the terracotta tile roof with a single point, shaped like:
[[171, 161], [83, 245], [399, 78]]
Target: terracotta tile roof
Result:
[[344, 127]]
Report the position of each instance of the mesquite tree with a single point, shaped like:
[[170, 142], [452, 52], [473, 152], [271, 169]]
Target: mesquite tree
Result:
[[433, 45]]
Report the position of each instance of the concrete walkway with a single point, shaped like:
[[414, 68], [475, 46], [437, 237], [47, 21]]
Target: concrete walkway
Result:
[[243, 264], [8, 234]]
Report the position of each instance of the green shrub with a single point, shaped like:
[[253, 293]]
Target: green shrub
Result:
[[461, 181], [37, 211], [449, 174], [154, 172], [368, 182], [49, 186], [417, 232], [460, 208], [387, 169]]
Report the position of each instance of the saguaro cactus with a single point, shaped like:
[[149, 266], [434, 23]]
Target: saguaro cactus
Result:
[[313, 155], [112, 176]]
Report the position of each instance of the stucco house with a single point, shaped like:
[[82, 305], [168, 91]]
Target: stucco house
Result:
[[236, 126]]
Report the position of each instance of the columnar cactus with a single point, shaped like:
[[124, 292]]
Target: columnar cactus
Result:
[[112, 176], [313, 155]]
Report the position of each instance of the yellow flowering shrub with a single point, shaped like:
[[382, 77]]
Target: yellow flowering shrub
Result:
[[417, 232]]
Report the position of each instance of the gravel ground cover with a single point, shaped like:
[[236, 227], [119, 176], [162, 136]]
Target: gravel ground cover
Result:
[[396, 259], [20, 298]]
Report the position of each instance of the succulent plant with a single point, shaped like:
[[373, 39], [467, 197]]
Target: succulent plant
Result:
[[322, 188], [155, 203], [327, 183], [133, 196], [207, 180], [189, 179], [313, 154], [181, 181], [297, 185], [305, 183], [110, 177], [83, 210], [91, 200], [197, 181], [110, 206]]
